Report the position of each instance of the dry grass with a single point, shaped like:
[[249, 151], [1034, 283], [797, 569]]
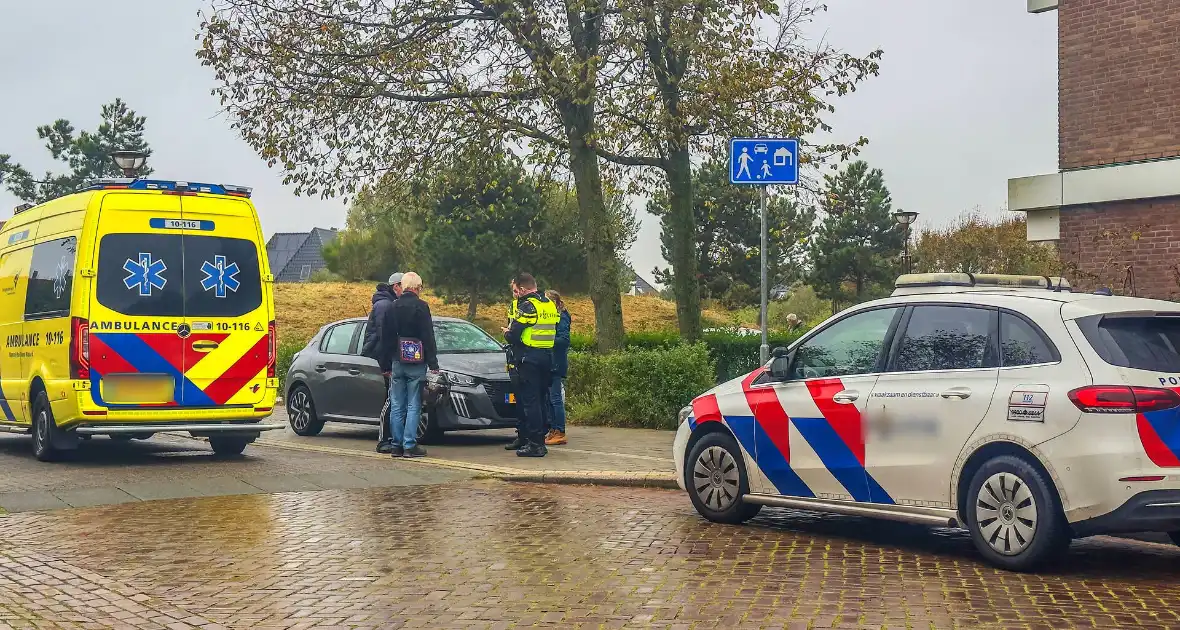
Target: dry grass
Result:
[[303, 308]]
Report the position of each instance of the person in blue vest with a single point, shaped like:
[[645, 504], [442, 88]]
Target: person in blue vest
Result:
[[561, 351]]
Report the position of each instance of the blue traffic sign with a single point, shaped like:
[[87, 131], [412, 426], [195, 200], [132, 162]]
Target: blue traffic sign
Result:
[[763, 161]]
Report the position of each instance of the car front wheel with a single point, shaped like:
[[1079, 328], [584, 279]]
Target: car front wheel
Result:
[[1013, 516], [715, 476]]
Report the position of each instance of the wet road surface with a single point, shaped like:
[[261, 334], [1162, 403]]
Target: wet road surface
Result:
[[486, 554], [104, 472]]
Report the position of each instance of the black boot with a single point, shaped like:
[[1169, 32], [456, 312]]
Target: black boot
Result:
[[516, 444], [532, 449]]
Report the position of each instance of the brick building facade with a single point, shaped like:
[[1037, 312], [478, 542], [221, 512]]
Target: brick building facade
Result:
[[1113, 209]]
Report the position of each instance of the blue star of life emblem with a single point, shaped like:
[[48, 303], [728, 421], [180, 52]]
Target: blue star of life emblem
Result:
[[219, 276], [146, 274]]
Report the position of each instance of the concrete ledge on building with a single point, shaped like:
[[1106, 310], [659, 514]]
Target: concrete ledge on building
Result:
[[1041, 196], [1040, 6]]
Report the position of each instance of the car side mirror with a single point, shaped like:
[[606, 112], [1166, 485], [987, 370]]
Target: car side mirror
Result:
[[780, 366]]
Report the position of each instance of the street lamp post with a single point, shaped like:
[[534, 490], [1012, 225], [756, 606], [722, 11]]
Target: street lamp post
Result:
[[905, 218], [129, 161]]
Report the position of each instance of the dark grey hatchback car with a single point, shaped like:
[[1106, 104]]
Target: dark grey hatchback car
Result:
[[329, 381]]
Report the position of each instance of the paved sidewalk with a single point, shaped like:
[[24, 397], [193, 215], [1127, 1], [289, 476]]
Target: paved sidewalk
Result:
[[601, 455]]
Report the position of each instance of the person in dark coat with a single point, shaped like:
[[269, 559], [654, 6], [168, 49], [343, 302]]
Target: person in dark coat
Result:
[[561, 363], [412, 351], [372, 345]]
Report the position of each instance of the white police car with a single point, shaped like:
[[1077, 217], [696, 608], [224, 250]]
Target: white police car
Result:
[[1007, 405]]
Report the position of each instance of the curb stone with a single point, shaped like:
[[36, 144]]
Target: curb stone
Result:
[[484, 471]]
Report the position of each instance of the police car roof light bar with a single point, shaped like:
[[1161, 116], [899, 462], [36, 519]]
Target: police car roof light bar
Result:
[[979, 281], [175, 187]]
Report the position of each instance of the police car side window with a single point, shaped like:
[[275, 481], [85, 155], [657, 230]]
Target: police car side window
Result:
[[945, 338], [51, 279], [850, 346], [1021, 344]]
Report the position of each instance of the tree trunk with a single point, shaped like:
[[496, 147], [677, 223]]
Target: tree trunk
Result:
[[598, 238], [472, 304], [682, 221]]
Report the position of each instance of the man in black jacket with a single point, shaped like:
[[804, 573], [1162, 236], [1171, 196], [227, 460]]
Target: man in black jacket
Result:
[[412, 350], [375, 334]]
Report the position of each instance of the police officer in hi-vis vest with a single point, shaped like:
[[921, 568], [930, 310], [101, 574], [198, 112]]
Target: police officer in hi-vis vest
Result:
[[530, 334]]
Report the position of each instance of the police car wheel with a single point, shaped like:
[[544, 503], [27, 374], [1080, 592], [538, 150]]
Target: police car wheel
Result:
[[715, 476], [44, 430], [301, 412], [1014, 518]]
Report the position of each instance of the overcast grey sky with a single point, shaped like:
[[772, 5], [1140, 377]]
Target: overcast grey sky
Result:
[[967, 98]]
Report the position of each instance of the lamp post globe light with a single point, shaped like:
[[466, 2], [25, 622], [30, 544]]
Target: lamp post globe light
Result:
[[905, 218], [129, 161]]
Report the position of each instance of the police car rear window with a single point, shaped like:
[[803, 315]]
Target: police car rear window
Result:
[[1140, 343], [174, 275]]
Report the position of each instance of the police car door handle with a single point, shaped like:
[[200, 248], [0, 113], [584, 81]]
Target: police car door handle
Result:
[[321, 368], [354, 371], [962, 393], [846, 397]]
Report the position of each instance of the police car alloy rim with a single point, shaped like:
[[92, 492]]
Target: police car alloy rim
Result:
[[1006, 513], [423, 427], [716, 478], [302, 416]]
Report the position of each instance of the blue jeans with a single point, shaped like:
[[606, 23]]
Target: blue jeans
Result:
[[405, 403], [557, 404]]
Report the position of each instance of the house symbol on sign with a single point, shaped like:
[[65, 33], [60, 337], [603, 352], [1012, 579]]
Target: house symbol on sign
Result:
[[783, 157]]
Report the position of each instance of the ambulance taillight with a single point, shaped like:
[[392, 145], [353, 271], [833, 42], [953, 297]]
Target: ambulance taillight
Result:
[[80, 349], [272, 349]]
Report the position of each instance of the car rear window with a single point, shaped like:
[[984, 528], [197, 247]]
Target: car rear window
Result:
[[174, 275], [1140, 343]]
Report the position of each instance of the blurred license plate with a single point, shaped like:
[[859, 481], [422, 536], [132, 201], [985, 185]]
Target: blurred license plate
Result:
[[138, 389], [510, 399]]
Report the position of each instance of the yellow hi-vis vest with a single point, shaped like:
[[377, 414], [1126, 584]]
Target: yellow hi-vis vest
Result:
[[541, 328]]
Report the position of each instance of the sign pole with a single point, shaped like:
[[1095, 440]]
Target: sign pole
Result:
[[764, 349]]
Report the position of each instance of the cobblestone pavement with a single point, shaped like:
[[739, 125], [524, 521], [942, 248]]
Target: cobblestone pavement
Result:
[[104, 472], [486, 554]]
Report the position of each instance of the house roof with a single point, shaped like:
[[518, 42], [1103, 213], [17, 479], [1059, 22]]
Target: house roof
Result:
[[281, 247]]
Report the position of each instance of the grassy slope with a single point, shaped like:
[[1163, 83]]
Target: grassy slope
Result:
[[303, 308]]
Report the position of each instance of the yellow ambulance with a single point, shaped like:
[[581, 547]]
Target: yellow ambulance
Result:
[[136, 307]]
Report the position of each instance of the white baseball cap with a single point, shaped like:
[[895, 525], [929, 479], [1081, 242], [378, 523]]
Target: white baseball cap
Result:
[[395, 278]]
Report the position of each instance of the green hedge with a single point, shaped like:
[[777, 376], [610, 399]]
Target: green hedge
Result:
[[643, 388], [732, 354], [287, 350]]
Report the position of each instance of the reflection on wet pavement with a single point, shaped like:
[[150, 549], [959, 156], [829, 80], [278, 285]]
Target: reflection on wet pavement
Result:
[[490, 554]]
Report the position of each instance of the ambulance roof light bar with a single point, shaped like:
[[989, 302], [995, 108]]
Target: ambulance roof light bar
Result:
[[166, 186], [932, 282]]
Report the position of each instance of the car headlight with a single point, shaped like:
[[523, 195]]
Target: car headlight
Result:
[[684, 414], [462, 380]]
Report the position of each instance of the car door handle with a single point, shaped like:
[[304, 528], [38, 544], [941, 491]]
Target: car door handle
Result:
[[320, 368], [353, 371], [845, 397], [962, 393]]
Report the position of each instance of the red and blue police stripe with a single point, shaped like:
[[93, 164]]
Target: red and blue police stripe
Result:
[[835, 433]]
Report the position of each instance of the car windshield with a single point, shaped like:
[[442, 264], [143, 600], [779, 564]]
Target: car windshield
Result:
[[462, 338]]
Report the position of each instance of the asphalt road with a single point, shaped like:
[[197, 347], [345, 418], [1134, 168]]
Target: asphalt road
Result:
[[104, 472]]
